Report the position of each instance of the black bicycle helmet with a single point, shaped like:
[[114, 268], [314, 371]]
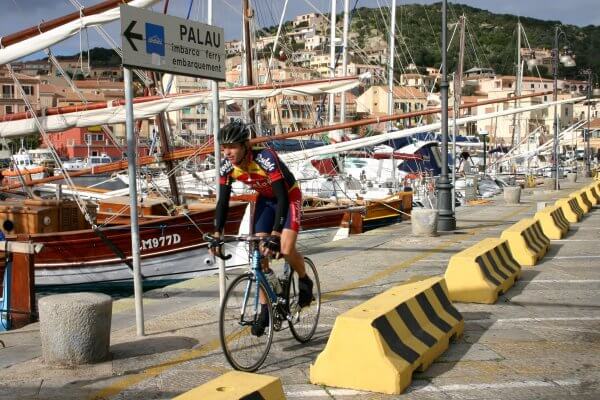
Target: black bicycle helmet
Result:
[[234, 132]]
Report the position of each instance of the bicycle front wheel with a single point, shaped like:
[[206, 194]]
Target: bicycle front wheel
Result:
[[244, 350], [303, 321]]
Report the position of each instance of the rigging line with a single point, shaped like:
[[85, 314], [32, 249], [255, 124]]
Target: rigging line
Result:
[[42, 131], [189, 11], [438, 76], [78, 92], [102, 31], [480, 46], [435, 36], [357, 48], [472, 43]]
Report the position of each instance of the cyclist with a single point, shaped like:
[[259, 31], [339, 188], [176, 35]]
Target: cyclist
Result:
[[277, 210]]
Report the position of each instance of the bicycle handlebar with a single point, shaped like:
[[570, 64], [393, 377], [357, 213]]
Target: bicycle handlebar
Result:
[[233, 238], [207, 237]]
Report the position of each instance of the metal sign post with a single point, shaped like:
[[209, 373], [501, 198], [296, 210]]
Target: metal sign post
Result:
[[215, 120], [135, 229]]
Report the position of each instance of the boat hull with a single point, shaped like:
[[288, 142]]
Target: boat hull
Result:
[[169, 247]]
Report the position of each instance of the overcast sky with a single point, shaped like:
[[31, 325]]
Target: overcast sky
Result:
[[20, 14]]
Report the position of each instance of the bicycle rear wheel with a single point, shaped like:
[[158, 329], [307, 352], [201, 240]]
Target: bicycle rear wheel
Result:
[[240, 308], [303, 323]]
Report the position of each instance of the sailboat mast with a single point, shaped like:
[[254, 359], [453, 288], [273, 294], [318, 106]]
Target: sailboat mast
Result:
[[457, 100], [162, 125], [248, 60], [391, 62], [332, 60], [519, 83], [344, 59]]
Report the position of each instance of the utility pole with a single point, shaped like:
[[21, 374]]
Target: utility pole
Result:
[[446, 221]]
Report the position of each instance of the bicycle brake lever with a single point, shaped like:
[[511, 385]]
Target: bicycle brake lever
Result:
[[222, 256], [207, 237]]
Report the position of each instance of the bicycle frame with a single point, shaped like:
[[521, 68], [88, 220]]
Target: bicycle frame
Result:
[[260, 278]]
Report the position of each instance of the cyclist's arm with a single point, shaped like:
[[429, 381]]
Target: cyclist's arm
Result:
[[222, 208], [283, 204]]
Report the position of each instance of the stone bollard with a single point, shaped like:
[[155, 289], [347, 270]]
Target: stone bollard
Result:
[[75, 328], [572, 177], [424, 221], [512, 194], [549, 183]]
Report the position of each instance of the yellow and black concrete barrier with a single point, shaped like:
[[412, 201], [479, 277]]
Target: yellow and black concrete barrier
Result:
[[592, 194], [553, 222], [527, 241], [237, 385], [570, 207], [582, 200], [377, 345], [480, 273]]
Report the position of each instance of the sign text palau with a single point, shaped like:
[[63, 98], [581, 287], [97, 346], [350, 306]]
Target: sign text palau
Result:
[[171, 44]]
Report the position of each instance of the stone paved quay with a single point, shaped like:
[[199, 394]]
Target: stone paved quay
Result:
[[540, 340]]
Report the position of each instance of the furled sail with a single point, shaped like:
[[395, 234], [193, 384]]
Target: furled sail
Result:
[[53, 36], [143, 110], [376, 139]]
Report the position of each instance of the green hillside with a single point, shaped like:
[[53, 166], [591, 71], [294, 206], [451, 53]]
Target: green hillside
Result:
[[491, 39]]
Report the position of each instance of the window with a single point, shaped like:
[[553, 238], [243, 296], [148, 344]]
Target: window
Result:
[[8, 109], [187, 111], [545, 86], [8, 91], [28, 89]]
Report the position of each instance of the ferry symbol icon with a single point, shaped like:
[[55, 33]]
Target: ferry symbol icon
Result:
[[155, 39]]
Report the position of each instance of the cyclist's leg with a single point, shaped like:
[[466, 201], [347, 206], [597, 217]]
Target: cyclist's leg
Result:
[[291, 253], [289, 236], [264, 216]]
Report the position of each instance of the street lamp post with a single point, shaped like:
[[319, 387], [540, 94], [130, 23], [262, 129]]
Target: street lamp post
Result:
[[567, 61], [483, 135], [588, 170], [446, 219]]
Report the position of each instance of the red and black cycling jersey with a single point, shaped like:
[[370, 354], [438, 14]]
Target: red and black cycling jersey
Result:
[[262, 169], [264, 172]]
